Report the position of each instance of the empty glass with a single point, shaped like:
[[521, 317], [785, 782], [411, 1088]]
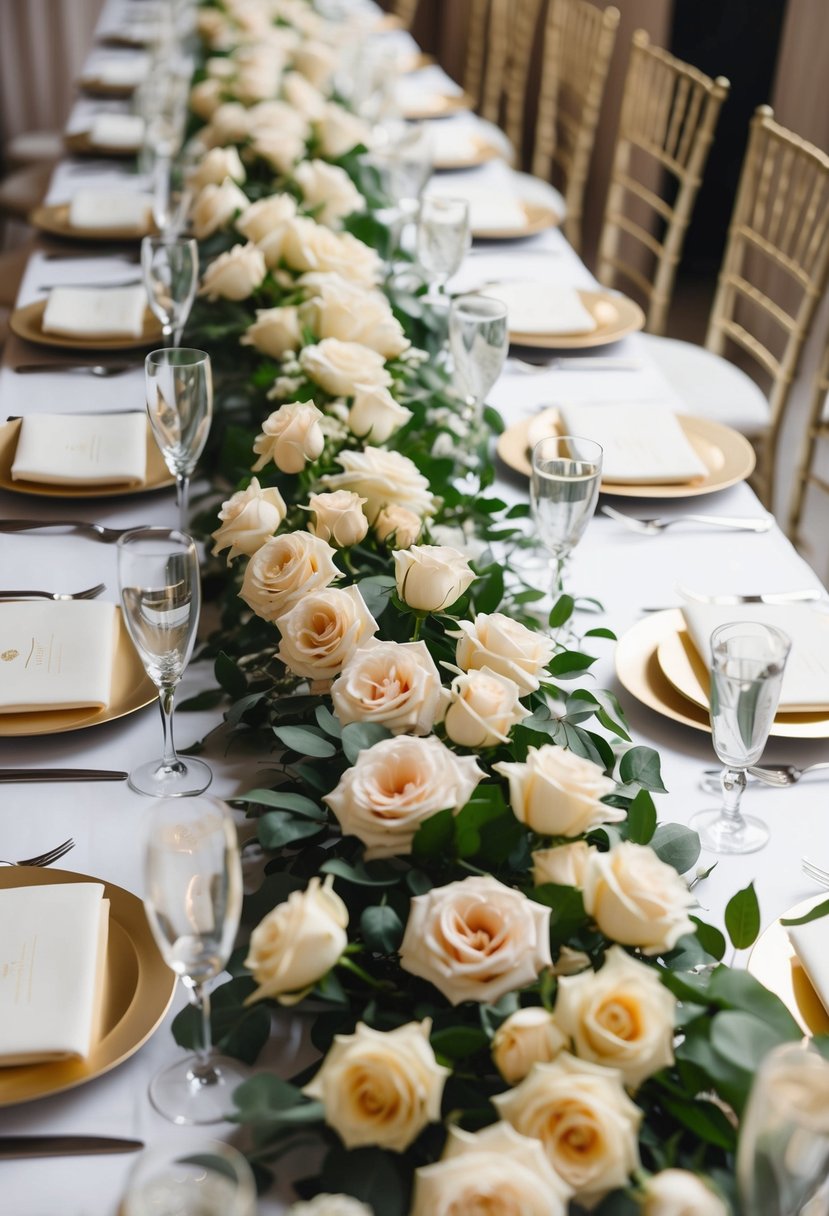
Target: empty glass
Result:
[[478, 340], [171, 198], [171, 277], [191, 1177], [564, 488], [179, 387], [747, 664], [193, 884], [158, 576], [443, 238]]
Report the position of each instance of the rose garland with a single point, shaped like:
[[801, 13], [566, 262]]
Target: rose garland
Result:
[[466, 884]]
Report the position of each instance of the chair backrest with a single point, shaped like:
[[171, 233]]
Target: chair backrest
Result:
[[817, 428], [669, 112], [510, 43], [476, 50], [405, 11], [578, 46]]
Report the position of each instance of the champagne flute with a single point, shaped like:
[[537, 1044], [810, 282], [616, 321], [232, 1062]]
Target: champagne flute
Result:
[[179, 387], [747, 664], [158, 575], [564, 488], [171, 276], [192, 1177], [478, 340], [193, 884], [443, 238]]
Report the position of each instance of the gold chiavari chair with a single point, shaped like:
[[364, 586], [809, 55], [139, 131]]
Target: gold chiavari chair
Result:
[[578, 45], [669, 112], [510, 42], [476, 50], [806, 475]]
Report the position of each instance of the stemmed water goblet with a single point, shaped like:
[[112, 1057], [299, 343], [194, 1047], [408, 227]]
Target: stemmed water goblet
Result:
[[443, 238], [193, 883], [158, 577], [179, 387], [478, 340], [564, 488], [171, 277], [190, 1177], [748, 660]]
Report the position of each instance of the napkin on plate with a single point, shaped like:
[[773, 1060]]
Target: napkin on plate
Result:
[[119, 70], [541, 308], [71, 449], [52, 960], [809, 944], [96, 312], [110, 209], [491, 211], [425, 90], [806, 678], [55, 654], [643, 444], [117, 131]]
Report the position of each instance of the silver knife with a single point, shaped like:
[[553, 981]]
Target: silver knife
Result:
[[60, 774], [112, 369], [64, 1146], [807, 595]]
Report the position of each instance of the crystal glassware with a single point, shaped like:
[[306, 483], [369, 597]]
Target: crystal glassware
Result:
[[179, 388], [747, 664], [190, 1177], [193, 898], [478, 340], [443, 238], [171, 277], [158, 576], [564, 488], [171, 197]]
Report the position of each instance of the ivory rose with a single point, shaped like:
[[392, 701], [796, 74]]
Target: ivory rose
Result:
[[228, 125], [343, 367], [218, 164], [308, 246], [375, 415], [297, 943], [290, 437], [496, 1172], [476, 939], [393, 683], [328, 191], [338, 518], [563, 865], [583, 1118], [483, 708], [316, 62], [249, 518], [279, 148], [322, 631], [398, 526], [380, 1087], [341, 309], [302, 96], [505, 646], [384, 479], [275, 331], [330, 1205], [621, 1016], [556, 793], [339, 131], [256, 81], [680, 1193], [267, 216], [431, 577], [205, 98], [636, 899], [216, 206], [395, 785], [234, 275], [284, 570], [528, 1036]]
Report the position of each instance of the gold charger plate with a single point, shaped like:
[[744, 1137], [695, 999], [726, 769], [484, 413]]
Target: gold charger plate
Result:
[[80, 144], [55, 220], [96, 87], [773, 962], [480, 151], [640, 673], [27, 322], [615, 317], [138, 989], [538, 218], [158, 475], [727, 455], [131, 689], [438, 105]]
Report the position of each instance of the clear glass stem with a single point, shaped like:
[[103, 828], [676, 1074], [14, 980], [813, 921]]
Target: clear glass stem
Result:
[[177, 335], [732, 784], [559, 562], [166, 697], [183, 500], [202, 1069], [167, 335]]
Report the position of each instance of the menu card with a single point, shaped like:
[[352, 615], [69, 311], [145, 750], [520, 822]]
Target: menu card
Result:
[[55, 654], [78, 449]]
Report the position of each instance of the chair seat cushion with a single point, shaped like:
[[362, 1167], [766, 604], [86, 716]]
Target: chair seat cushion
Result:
[[30, 146], [24, 189]]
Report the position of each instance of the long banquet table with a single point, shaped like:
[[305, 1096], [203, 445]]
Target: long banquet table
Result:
[[627, 573]]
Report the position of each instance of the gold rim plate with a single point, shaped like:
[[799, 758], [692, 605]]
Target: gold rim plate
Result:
[[438, 105], [480, 151], [640, 672], [96, 87], [538, 218], [727, 455], [55, 220], [131, 690], [138, 989], [80, 144], [158, 475], [27, 322], [615, 317], [774, 963]]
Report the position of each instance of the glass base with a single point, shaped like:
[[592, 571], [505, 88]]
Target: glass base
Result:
[[179, 780], [719, 834], [183, 1093]]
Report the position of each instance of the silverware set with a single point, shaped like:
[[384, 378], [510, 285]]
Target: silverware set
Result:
[[653, 525], [43, 859]]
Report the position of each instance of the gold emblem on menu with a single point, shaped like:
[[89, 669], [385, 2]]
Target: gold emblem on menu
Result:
[[6, 656]]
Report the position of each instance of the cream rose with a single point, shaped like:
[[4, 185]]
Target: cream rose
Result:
[[384, 479], [297, 943], [338, 518], [284, 570], [563, 865], [290, 437], [328, 191], [213, 27], [476, 940], [341, 309], [205, 98], [308, 246], [380, 1087], [398, 526], [495, 1171], [221, 67], [636, 899], [273, 117], [556, 793], [249, 519], [528, 1036], [317, 63], [256, 81], [681, 1193], [275, 331], [218, 164], [229, 125], [339, 131], [393, 683], [343, 367], [302, 96], [621, 1016], [431, 577], [280, 149], [234, 275], [583, 1118], [503, 645], [322, 631], [482, 709], [330, 1205], [375, 415], [266, 217], [215, 207]]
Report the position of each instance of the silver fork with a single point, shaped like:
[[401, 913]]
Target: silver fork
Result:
[[97, 286], [654, 525], [563, 363], [90, 593], [44, 859], [780, 775], [98, 531], [815, 872], [103, 370]]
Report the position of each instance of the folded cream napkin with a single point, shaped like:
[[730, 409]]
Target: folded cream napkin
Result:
[[52, 957], [110, 209], [120, 70], [809, 944], [492, 211], [55, 654], [96, 312], [541, 308], [70, 449], [425, 90], [643, 443], [117, 131], [806, 679]]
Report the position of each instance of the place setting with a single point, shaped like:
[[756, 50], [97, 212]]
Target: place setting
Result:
[[503, 205]]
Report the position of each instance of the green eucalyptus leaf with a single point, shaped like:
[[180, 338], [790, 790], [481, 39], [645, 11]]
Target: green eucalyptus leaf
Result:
[[459, 1042], [742, 1039], [381, 928], [284, 800], [230, 676], [641, 766], [357, 736], [327, 722], [358, 874], [561, 611], [278, 828], [710, 938], [742, 917], [676, 845], [434, 835], [370, 1175], [641, 821], [821, 910], [306, 740]]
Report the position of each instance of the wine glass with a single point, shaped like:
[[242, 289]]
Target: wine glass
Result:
[[403, 160], [193, 885], [179, 387], [443, 238], [783, 1154], [564, 488], [158, 575], [190, 1177], [747, 664], [478, 340], [171, 197], [171, 276]]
